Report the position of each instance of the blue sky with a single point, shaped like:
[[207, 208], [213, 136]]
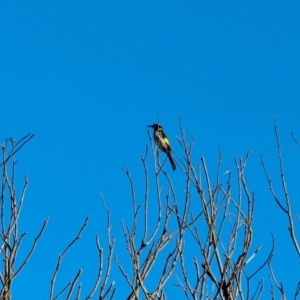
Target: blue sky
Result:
[[87, 77]]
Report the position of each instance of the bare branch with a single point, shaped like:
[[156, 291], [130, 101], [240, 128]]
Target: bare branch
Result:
[[296, 141], [32, 248], [17, 146], [73, 284], [288, 209], [60, 257], [278, 285], [111, 245]]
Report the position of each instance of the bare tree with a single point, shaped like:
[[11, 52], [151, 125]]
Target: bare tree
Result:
[[286, 207], [145, 240], [198, 240], [222, 236], [217, 225], [106, 290], [10, 210]]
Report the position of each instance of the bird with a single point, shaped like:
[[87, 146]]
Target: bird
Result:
[[162, 142]]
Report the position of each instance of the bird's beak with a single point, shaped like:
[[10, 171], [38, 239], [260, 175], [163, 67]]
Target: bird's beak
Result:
[[149, 126]]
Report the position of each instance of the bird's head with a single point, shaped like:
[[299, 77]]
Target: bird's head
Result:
[[155, 127]]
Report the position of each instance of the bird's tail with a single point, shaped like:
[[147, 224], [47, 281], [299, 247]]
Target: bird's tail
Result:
[[171, 161]]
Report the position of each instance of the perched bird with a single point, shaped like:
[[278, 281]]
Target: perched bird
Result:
[[162, 142]]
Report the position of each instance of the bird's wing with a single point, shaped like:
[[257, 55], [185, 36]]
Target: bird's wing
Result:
[[167, 143], [165, 139]]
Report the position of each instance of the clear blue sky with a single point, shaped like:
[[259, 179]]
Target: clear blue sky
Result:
[[88, 76]]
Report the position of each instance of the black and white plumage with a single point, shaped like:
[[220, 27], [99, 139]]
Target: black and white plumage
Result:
[[162, 142]]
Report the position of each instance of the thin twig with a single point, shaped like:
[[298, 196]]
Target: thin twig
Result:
[[60, 257], [32, 248]]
